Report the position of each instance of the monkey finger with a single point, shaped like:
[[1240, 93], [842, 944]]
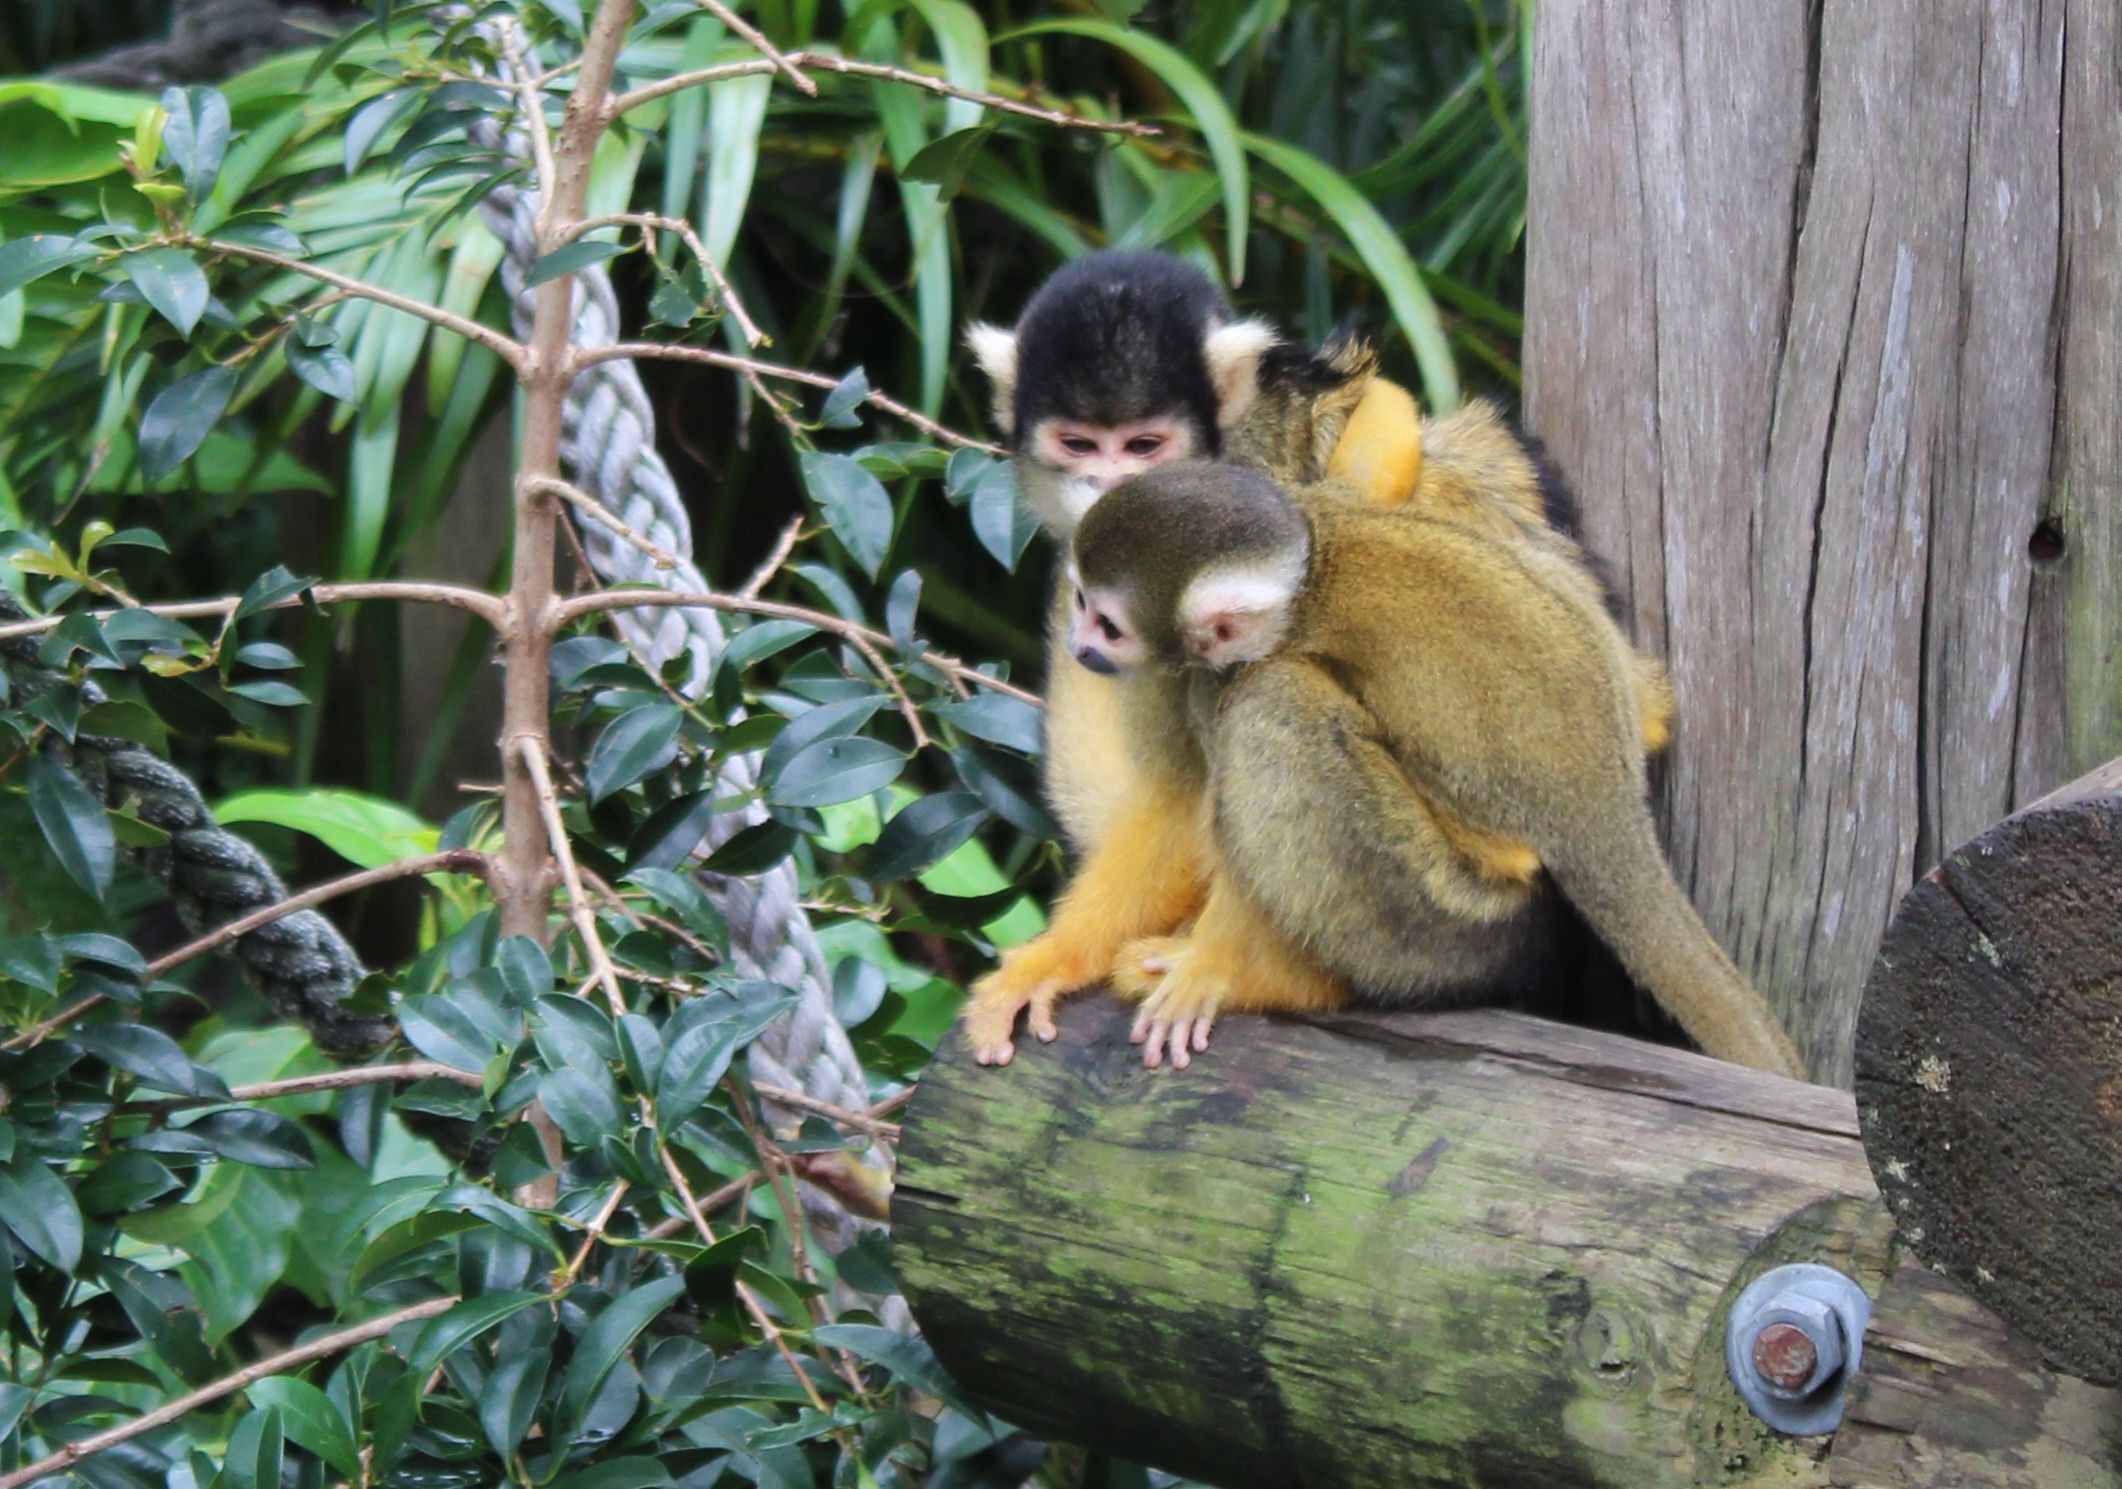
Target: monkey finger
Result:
[[1153, 1047], [1041, 1019]]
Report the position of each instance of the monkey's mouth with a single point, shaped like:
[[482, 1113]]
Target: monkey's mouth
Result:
[[1096, 660]]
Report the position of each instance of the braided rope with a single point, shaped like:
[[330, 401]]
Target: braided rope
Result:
[[300, 962], [608, 447]]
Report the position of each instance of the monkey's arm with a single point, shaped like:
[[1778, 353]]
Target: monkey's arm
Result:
[[1146, 877]]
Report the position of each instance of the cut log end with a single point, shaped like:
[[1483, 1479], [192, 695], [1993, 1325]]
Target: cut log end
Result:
[[1989, 1071]]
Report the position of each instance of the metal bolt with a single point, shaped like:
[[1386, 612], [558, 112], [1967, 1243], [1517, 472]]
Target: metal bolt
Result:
[[1793, 1340]]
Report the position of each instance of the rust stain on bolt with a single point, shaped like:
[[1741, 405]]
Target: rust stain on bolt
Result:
[[1784, 1356]]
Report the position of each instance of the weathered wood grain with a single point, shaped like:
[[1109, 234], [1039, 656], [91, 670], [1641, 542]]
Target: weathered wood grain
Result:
[[1381, 1249], [1989, 1071], [1824, 320]]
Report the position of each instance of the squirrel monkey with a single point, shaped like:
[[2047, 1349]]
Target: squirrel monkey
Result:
[[1374, 691], [1123, 362]]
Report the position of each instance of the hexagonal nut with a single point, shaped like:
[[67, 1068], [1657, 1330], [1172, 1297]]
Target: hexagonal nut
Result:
[[1813, 1318]]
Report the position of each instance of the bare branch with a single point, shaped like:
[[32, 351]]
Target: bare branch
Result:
[[847, 67], [530, 99], [328, 1080], [510, 351], [532, 749], [891, 1104], [724, 290], [781, 60], [301, 1354], [449, 861], [604, 517], [595, 1233], [840, 1115], [489, 608], [670, 352], [629, 599], [763, 575]]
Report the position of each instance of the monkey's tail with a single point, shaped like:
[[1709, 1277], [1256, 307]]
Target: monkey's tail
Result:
[[1618, 880]]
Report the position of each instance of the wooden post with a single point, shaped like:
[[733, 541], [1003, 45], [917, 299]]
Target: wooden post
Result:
[[1824, 321], [1464, 1249], [1989, 1071]]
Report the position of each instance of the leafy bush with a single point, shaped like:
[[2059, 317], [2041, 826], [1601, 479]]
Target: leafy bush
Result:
[[262, 321]]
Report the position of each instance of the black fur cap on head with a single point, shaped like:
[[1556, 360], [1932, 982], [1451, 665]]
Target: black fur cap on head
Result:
[[1114, 337]]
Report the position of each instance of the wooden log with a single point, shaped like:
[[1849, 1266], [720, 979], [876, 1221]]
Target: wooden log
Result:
[[1464, 1249], [1376, 1249], [1824, 322], [1989, 1071]]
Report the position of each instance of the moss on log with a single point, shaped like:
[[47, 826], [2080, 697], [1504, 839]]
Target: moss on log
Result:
[[1447, 1249]]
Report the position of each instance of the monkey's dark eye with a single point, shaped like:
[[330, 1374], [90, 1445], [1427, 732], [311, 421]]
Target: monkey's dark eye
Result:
[[1077, 444], [1107, 629], [1145, 445]]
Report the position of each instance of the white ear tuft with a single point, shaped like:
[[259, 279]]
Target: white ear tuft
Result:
[[995, 349], [1233, 352], [1239, 612]]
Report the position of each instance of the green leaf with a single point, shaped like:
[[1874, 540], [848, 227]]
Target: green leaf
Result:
[[259, 1138], [923, 831], [124, 1181], [325, 368], [436, 1027], [26, 260], [637, 744], [1210, 114], [996, 718], [508, 1403], [752, 850], [1000, 521], [827, 720], [171, 282], [607, 1338], [150, 1055], [40, 1210], [310, 1419], [269, 589], [179, 419], [568, 258], [73, 823], [616, 1473], [585, 1106], [375, 116], [450, 1332], [1010, 785], [368, 831], [526, 969], [835, 770], [1383, 254], [854, 504], [946, 161], [839, 411], [196, 136], [271, 692]]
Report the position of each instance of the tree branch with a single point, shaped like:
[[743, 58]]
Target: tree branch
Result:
[[724, 290], [671, 352], [510, 351], [628, 599], [783, 63], [489, 608], [600, 962], [605, 518], [840, 1115], [303, 1085], [301, 1354], [883, 72]]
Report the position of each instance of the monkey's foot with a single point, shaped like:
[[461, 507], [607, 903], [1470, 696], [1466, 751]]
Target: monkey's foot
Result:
[[1032, 976], [1177, 1017], [1142, 963]]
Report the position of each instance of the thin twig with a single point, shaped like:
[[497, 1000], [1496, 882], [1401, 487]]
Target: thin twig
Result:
[[488, 608], [883, 72], [707, 356], [508, 350], [604, 517], [532, 750], [750, 1299], [655, 221], [859, 1121], [764, 574], [328, 1080], [530, 94], [891, 1104], [301, 1354], [573, 1269], [714, 1199], [456, 860], [782, 61], [576, 607]]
